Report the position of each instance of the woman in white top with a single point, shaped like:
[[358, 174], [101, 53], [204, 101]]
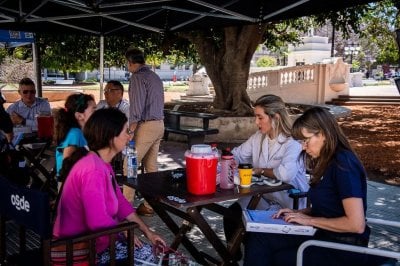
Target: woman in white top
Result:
[[274, 154]]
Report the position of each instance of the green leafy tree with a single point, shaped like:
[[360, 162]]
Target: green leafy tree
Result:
[[169, 48], [69, 53], [3, 54], [378, 36], [226, 54], [23, 53], [266, 61]]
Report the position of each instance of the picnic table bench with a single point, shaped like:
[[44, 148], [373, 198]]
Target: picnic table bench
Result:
[[195, 134]]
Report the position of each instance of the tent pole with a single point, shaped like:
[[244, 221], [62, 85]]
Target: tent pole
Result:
[[36, 69], [101, 65]]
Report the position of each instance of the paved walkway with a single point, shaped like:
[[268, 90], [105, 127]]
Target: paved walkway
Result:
[[383, 203], [374, 90]]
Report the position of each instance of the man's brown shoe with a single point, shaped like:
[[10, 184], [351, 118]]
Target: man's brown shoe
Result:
[[144, 211]]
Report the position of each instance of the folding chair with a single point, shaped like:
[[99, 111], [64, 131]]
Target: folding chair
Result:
[[29, 209], [376, 256]]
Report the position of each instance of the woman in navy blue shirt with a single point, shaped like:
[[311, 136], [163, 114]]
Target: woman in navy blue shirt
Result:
[[337, 195]]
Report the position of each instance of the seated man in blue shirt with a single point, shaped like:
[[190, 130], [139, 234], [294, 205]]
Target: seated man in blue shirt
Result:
[[24, 111]]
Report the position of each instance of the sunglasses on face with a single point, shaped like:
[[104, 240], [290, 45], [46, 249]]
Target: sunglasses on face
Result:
[[28, 91]]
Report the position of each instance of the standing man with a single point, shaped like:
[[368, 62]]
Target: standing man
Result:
[[24, 111], [146, 116], [113, 94]]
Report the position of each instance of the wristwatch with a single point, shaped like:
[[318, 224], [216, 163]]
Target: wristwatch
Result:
[[262, 171]]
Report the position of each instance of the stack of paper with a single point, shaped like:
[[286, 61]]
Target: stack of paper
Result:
[[262, 221]]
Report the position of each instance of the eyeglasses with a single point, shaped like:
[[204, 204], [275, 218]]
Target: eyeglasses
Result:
[[28, 91], [307, 140], [108, 90], [129, 132]]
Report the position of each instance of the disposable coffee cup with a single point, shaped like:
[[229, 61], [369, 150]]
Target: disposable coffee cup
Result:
[[245, 173]]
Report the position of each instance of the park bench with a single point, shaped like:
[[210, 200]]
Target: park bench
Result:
[[195, 134]]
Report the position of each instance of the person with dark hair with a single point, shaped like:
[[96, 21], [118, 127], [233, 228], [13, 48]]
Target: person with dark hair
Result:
[[274, 154], [24, 111], [69, 122], [337, 194], [90, 198], [113, 94], [146, 116]]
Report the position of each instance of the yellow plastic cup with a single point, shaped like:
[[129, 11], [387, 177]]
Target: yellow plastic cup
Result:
[[245, 174]]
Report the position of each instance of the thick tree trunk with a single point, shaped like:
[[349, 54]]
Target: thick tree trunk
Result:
[[398, 41], [227, 61], [397, 25], [65, 74]]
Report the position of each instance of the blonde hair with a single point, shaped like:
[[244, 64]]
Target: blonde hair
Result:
[[272, 105]]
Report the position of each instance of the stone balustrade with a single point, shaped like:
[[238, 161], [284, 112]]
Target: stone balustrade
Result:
[[307, 84]]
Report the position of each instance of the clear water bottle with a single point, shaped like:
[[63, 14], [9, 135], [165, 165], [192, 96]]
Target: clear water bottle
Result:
[[131, 157], [217, 152]]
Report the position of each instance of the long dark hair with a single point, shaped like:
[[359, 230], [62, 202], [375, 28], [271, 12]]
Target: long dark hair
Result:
[[65, 117], [99, 131], [320, 120]]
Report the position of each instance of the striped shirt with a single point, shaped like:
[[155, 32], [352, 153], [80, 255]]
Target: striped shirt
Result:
[[122, 105], [146, 96], [40, 106]]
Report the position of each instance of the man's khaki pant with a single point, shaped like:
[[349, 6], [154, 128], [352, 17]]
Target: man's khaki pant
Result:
[[148, 137]]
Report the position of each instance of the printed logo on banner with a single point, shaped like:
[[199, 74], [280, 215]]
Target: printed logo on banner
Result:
[[20, 203], [15, 34]]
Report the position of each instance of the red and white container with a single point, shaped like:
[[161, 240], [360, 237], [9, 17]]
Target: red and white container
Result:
[[201, 169], [228, 170]]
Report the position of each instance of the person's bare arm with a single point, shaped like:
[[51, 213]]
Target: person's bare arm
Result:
[[352, 222], [17, 119], [132, 128], [152, 236], [68, 151]]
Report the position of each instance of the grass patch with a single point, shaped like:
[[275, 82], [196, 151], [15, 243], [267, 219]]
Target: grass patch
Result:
[[378, 83], [176, 87]]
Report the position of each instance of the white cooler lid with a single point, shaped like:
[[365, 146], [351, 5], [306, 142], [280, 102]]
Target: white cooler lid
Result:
[[201, 148]]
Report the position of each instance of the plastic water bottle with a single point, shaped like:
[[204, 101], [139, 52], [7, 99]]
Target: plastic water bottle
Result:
[[131, 157], [217, 152]]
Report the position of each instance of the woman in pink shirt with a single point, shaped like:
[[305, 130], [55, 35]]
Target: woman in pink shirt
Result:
[[90, 197]]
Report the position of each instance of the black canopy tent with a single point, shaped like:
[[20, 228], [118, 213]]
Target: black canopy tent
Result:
[[103, 17], [117, 17]]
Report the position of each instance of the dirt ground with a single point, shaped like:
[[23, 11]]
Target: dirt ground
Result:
[[374, 132]]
